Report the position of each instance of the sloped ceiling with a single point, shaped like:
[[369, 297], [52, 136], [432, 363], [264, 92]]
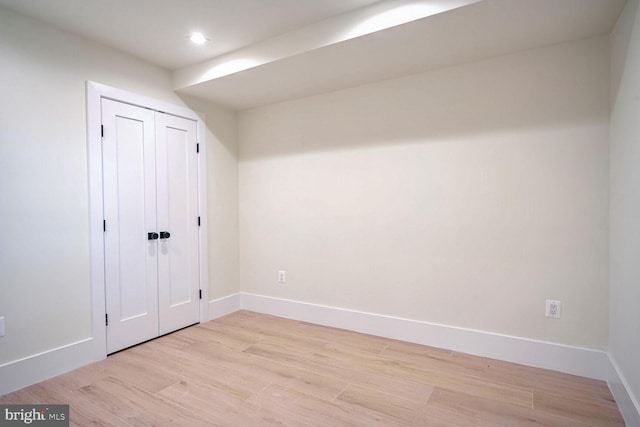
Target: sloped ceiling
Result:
[[262, 52]]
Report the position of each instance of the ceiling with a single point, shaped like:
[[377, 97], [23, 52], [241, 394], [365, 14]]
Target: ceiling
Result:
[[157, 30], [266, 51]]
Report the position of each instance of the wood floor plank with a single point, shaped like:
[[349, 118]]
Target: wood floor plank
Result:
[[253, 415], [210, 401], [87, 412], [80, 377], [298, 344], [241, 317], [250, 369], [576, 409], [440, 417], [259, 322], [364, 342], [457, 382], [269, 370], [311, 382], [174, 341], [138, 407], [184, 366], [416, 353], [232, 336], [41, 394], [586, 389], [83, 412], [492, 412], [401, 387], [150, 377], [17, 397], [385, 406], [314, 384], [540, 379], [308, 409]]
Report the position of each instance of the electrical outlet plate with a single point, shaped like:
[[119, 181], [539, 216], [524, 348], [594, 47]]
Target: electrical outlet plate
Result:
[[282, 276], [553, 309], [2, 332]]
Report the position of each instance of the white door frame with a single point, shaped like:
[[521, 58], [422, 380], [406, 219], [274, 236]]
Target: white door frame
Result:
[[95, 92]]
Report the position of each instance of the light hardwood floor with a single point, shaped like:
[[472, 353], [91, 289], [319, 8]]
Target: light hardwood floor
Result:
[[250, 369]]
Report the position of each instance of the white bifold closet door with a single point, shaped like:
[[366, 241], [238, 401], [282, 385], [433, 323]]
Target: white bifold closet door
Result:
[[151, 223]]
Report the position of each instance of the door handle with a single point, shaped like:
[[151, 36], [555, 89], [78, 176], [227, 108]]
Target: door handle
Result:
[[165, 234], [152, 236]]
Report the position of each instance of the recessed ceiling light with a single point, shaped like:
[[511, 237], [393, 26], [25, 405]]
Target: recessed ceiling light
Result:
[[198, 38]]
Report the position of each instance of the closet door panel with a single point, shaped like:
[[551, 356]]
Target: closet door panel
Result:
[[177, 180], [131, 272]]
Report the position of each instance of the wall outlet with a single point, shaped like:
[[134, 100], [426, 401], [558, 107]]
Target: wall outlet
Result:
[[554, 309], [282, 276], [1, 326]]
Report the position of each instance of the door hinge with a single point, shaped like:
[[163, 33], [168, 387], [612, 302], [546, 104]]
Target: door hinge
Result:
[[106, 319], [102, 131], [198, 221], [200, 293], [197, 147], [104, 225]]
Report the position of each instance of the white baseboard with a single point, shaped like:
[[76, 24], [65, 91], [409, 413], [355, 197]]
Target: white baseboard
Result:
[[627, 402], [225, 305], [572, 360], [39, 367]]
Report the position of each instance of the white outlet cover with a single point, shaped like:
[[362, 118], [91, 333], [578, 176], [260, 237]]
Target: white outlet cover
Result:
[[2, 331], [553, 309], [282, 276]]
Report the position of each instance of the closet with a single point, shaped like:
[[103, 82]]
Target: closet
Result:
[[150, 203]]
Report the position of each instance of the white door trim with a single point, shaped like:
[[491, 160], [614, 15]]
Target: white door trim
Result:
[[95, 92]]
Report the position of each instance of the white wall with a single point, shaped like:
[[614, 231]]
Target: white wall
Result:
[[624, 334], [463, 196], [44, 239], [222, 202]]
